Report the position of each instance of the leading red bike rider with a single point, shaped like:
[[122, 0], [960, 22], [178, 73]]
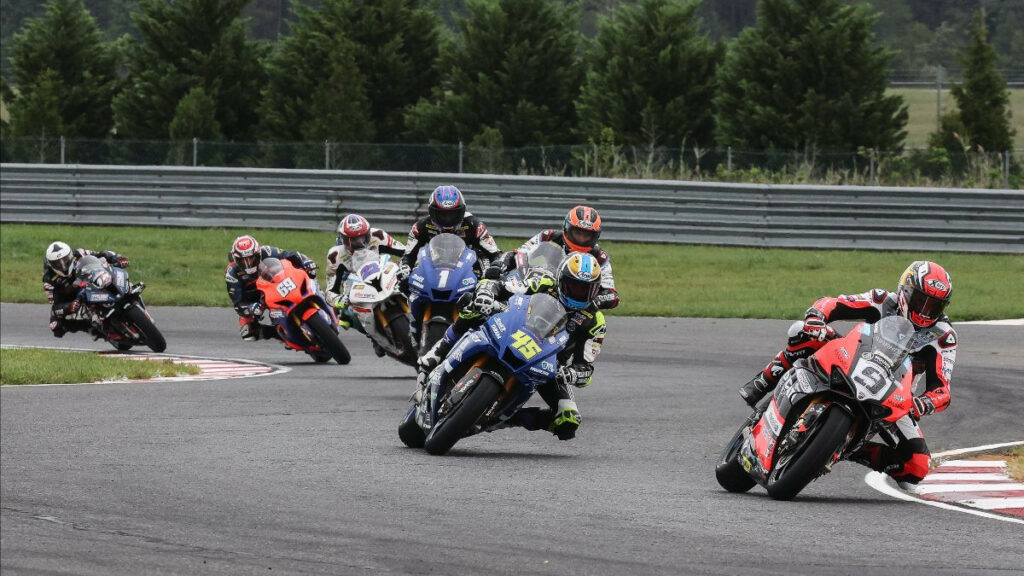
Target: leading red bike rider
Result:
[[240, 277], [921, 296], [580, 231]]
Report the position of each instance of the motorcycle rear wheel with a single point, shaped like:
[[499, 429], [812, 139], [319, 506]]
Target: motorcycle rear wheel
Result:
[[153, 338], [453, 427], [812, 454], [729, 473], [329, 339]]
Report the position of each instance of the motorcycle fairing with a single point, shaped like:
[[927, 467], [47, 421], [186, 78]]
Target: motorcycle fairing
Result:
[[443, 283], [291, 301]]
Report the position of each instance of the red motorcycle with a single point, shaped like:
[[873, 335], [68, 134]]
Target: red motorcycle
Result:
[[823, 410], [299, 311]]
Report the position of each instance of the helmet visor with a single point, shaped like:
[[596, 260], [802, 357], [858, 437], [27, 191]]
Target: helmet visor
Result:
[[577, 293], [62, 265], [356, 243], [582, 237], [248, 263], [926, 306], [449, 218]]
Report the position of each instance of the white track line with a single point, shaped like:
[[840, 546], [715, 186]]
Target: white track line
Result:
[[1008, 322], [879, 481]]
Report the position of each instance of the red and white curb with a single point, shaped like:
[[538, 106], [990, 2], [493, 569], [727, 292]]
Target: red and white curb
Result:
[[209, 368], [978, 487]]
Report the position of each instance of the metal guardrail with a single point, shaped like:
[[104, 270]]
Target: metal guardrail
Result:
[[963, 220]]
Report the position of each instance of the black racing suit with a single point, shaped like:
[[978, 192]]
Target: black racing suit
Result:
[[471, 230], [61, 292], [242, 287], [586, 328], [608, 297]]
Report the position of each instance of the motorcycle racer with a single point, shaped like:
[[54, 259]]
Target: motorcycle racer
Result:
[[59, 284], [447, 214], [576, 287], [580, 231], [922, 294], [240, 277], [354, 234]]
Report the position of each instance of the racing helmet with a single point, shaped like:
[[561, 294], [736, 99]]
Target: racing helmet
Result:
[[579, 280], [245, 253], [60, 257], [923, 293], [446, 208], [354, 232], [581, 229]]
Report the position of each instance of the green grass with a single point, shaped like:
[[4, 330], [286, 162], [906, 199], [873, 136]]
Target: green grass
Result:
[[186, 267], [921, 107], [1015, 463], [42, 366]]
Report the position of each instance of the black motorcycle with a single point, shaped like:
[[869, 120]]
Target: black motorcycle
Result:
[[114, 306]]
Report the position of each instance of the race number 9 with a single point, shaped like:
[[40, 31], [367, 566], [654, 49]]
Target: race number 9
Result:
[[526, 346], [286, 286]]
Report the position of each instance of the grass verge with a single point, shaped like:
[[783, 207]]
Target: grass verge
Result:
[[1015, 463], [44, 366], [185, 267], [923, 120]]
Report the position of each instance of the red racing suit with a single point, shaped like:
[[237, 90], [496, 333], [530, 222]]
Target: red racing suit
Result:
[[933, 355], [608, 297]]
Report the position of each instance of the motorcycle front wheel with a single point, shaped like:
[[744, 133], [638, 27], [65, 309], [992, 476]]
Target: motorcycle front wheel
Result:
[[729, 473], [433, 332], [399, 330], [453, 427], [810, 455], [153, 338], [328, 339], [410, 432]]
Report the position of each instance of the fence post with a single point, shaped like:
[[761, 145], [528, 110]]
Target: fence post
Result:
[[327, 154], [1006, 169], [938, 95], [61, 149], [597, 170], [874, 180], [195, 151], [460, 156], [728, 159]]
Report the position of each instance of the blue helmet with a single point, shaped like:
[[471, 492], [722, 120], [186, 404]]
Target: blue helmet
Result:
[[579, 280], [446, 207]]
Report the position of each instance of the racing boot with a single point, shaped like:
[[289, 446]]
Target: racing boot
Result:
[[753, 391], [377, 349], [428, 362], [567, 420]]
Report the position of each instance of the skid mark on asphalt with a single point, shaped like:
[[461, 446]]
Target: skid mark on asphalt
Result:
[[977, 487]]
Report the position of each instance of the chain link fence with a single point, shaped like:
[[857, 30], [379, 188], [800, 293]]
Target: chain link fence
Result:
[[911, 167]]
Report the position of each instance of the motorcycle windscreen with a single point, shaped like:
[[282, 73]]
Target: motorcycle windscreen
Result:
[[891, 341], [547, 258], [544, 316], [445, 250], [366, 263], [94, 271]]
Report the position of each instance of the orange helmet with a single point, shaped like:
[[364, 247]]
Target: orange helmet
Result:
[[581, 229]]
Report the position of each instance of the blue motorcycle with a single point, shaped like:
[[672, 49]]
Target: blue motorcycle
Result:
[[443, 273], [114, 306], [489, 374]]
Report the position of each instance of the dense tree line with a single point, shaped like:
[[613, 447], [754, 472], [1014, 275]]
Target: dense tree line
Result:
[[807, 76]]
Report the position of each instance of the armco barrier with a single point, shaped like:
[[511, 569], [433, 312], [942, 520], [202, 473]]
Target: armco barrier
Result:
[[965, 220]]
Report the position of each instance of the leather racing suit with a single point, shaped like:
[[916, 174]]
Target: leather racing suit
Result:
[[61, 292], [608, 297]]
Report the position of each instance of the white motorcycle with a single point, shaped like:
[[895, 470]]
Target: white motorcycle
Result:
[[381, 309]]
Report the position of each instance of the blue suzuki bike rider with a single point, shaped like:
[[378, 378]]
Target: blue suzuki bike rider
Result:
[[576, 287]]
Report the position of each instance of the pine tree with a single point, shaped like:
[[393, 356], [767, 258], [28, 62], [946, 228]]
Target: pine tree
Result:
[[195, 117], [513, 66], [343, 53], [652, 77], [982, 99], [184, 44], [62, 56], [808, 78]]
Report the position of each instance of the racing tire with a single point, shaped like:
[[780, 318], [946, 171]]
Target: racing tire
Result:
[[729, 472], [328, 339], [122, 346], [399, 330], [812, 454], [153, 338], [433, 332], [453, 427], [410, 432]]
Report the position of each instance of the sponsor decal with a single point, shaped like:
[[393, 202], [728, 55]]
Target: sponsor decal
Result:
[[843, 351], [936, 284], [467, 281], [499, 323], [948, 340], [547, 366]]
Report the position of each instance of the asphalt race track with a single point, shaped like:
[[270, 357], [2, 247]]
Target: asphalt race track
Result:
[[303, 472]]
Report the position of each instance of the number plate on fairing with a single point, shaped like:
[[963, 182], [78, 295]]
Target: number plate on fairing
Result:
[[871, 380]]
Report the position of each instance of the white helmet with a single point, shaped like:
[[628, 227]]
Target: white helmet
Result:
[[60, 258]]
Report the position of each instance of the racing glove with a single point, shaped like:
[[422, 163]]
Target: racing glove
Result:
[[255, 310], [403, 277], [122, 262], [815, 328], [606, 299], [578, 375], [310, 267], [922, 405], [483, 301]]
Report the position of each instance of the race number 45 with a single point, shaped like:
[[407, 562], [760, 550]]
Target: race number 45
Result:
[[525, 344]]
